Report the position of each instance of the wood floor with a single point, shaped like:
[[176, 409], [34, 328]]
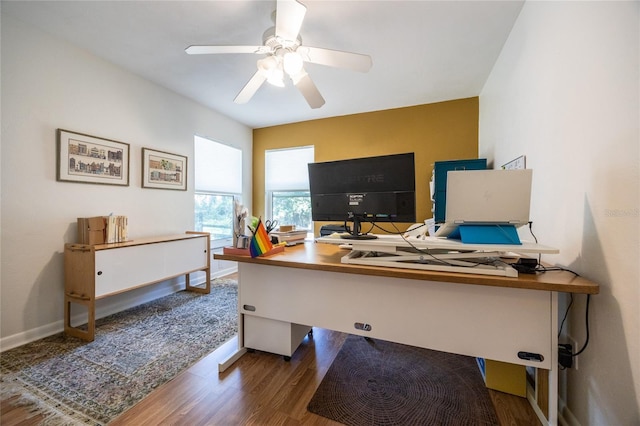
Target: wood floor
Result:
[[259, 389]]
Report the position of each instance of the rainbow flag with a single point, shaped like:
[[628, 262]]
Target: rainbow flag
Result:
[[260, 243]]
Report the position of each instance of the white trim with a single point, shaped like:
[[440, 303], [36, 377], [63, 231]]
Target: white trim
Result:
[[155, 292], [565, 416]]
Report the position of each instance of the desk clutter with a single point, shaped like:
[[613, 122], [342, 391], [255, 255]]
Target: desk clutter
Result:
[[102, 229], [290, 237], [266, 239]]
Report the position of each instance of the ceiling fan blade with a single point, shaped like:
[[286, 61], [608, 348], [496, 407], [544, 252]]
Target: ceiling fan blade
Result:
[[336, 58], [289, 17], [307, 87], [203, 50], [250, 88]]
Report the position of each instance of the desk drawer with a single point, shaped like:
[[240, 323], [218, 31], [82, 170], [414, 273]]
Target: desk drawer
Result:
[[481, 321]]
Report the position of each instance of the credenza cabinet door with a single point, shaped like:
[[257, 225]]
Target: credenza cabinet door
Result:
[[128, 267]]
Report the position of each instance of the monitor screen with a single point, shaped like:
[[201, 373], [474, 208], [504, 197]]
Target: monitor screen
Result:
[[371, 189]]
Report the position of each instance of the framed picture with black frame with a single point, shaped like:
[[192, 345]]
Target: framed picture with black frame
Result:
[[84, 158]]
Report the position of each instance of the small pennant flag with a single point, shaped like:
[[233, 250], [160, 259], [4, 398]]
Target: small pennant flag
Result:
[[260, 243]]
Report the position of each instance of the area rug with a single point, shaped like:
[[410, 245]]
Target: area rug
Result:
[[374, 382], [135, 351]]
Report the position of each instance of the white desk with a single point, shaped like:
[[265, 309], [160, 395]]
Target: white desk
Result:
[[491, 317]]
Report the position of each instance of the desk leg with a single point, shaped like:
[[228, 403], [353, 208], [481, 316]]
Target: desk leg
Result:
[[553, 373], [544, 398], [228, 362]]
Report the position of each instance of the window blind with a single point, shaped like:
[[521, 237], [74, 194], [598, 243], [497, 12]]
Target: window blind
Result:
[[286, 169], [218, 167]]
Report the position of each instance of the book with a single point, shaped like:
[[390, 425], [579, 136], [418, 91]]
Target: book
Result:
[[102, 229], [290, 237]]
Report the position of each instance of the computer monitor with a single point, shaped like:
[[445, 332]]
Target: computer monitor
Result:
[[371, 189]]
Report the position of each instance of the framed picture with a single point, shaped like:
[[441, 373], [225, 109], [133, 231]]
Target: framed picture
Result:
[[516, 163], [90, 159], [163, 170]]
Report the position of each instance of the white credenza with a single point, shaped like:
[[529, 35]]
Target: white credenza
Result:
[[93, 272]]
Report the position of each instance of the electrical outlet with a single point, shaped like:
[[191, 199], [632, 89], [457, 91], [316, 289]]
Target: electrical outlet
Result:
[[575, 349], [564, 355]]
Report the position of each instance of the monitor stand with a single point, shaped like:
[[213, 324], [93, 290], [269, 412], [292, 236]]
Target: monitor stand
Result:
[[355, 232]]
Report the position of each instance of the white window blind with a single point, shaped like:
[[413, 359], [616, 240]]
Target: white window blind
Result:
[[218, 167], [286, 169]]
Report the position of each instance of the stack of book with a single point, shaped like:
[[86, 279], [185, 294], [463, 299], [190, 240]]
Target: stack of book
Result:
[[291, 238], [102, 229]]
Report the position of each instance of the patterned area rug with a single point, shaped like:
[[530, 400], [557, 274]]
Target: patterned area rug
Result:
[[135, 351], [374, 382]]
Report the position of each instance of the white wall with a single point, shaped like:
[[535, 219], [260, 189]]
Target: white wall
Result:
[[49, 84], [565, 93]]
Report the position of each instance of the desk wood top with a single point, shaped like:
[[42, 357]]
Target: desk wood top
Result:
[[138, 241], [326, 257]]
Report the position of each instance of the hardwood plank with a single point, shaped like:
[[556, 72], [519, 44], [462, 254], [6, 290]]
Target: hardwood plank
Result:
[[513, 410], [263, 389], [17, 415]]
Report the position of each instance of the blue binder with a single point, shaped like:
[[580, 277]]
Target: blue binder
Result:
[[486, 234]]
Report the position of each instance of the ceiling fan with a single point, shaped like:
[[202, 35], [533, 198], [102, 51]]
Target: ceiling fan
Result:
[[285, 55]]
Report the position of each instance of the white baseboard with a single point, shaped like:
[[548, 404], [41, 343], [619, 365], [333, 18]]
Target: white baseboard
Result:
[[223, 272], [565, 416], [105, 309], [34, 334]]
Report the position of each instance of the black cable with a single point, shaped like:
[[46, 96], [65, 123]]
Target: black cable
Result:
[[434, 258], [531, 231], [536, 240], [586, 342], [565, 315], [542, 268], [398, 232]]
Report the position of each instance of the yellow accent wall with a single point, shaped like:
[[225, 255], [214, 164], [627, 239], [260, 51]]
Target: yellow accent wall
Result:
[[434, 132]]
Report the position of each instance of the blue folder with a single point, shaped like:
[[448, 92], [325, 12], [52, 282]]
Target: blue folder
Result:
[[486, 234]]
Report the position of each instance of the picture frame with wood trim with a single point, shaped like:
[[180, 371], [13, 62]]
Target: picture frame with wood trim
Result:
[[83, 158], [163, 170]]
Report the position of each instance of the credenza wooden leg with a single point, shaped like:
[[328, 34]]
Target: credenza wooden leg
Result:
[[69, 330]]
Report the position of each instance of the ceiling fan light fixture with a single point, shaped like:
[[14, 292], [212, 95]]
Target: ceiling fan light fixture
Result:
[[271, 69], [276, 78], [292, 62]]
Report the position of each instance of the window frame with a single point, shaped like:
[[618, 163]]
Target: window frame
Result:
[[213, 241]]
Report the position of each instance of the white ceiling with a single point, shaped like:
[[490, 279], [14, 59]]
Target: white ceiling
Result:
[[422, 51]]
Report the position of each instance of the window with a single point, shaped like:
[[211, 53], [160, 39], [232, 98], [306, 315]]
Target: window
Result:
[[287, 186], [218, 182]]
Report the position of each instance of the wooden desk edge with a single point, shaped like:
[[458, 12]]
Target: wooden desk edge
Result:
[[560, 281], [140, 241]]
